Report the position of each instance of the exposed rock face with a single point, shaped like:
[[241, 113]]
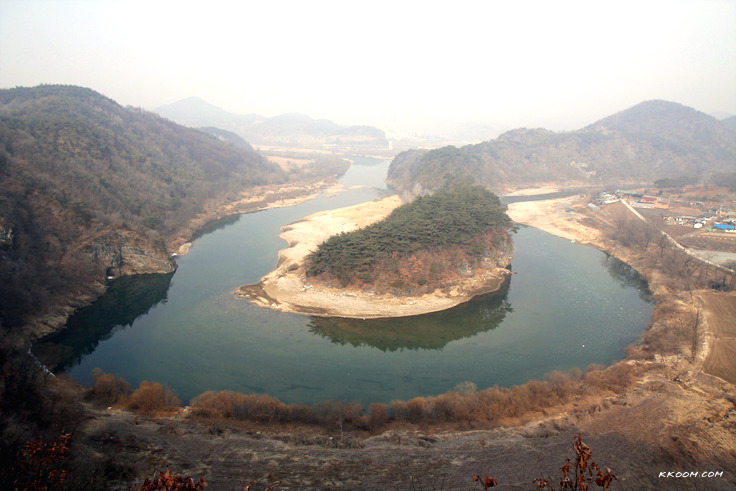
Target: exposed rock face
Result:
[[95, 260], [503, 254], [124, 254], [138, 261]]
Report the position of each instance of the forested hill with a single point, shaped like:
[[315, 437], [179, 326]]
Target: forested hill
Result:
[[653, 140], [84, 180], [423, 245]]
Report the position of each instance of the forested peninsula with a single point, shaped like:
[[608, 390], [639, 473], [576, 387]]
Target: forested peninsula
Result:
[[430, 254]]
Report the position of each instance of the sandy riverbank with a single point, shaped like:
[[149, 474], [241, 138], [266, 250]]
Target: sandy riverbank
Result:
[[555, 216], [288, 289]]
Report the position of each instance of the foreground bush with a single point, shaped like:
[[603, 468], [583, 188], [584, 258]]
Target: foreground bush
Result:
[[41, 464], [252, 407], [108, 389], [152, 397], [577, 474], [169, 481]]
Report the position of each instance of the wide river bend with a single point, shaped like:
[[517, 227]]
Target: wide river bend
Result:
[[566, 305]]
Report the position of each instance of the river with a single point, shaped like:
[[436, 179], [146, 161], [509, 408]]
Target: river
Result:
[[566, 305]]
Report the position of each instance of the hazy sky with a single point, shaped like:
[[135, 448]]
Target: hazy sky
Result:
[[398, 64]]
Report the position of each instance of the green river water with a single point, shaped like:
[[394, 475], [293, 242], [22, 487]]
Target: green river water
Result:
[[566, 306]]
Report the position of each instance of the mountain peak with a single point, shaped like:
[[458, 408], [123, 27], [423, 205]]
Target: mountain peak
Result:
[[182, 110], [650, 116]]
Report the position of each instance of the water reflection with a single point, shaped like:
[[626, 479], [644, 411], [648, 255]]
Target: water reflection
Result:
[[426, 332], [215, 225], [627, 276], [126, 299]]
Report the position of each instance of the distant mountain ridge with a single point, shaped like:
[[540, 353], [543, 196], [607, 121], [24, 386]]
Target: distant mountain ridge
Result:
[[652, 140], [285, 129]]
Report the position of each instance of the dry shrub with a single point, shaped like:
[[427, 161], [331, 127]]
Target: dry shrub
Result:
[[399, 410], [492, 404], [578, 473], [420, 409], [252, 407], [445, 406], [41, 464], [269, 409], [668, 337], [613, 379], [223, 404], [151, 397], [561, 384], [340, 415], [170, 482], [634, 352], [109, 389], [464, 404], [377, 416], [518, 402]]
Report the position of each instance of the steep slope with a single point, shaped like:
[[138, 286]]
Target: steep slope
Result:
[[90, 188], [650, 141]]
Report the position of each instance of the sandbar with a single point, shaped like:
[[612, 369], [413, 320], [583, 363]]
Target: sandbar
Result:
[[554, 216]]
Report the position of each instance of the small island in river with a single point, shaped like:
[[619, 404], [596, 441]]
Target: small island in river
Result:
[[385, 259]]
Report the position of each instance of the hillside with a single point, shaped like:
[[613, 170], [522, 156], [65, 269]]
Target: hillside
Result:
[[420, 246], [226, 136], [730, 122], [92, 189], [286, 130], [653, 140]]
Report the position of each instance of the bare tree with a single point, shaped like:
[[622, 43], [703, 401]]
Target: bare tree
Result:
[[697, 331], [648, 233], [663, 243]]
